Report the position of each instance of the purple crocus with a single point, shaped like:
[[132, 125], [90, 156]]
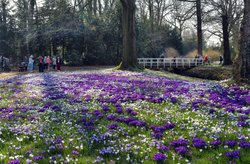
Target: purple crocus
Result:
[[173, 100], [233, 154], [243, 117], [230, 143], [169, 125], [245, 144], [181, 150], [137, 123], [112, 126], [199, 143], [84, 111], [230, 110], [60, 146], [215, 143], [37, 158], [15, 161], [212, 111], [179, 142], [159, 157], [111, 117], [75, 152], [105, 108], [129, 110], [158, 135], [28, 152], [119, 110], [242, 124], [96, 112], [133, 113], [58, 141], [164, 148]]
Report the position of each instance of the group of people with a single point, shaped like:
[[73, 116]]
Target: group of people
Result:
[[207, 60], [44, 63]]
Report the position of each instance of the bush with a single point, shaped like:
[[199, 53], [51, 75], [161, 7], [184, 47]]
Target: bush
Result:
[[171, 52]]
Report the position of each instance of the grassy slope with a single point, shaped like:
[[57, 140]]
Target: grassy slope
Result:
[[211, 72]]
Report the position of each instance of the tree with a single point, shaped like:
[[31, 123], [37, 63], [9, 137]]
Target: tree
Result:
[[129, 56], [242, 66], [181, 13], [3, 28], [226, 13], [6, 32], [199, 24]]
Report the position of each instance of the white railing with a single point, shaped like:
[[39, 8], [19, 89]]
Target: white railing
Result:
[[170, 62]]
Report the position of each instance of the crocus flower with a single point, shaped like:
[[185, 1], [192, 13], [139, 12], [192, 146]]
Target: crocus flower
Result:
[[242, 124], [15, 161], [37, 158], [182, 150], [112, 126], [179, 142], [215, 143], [75, 152], [164, 148], [233, 154], [159, 157], [199, 143], [230, 143], [244, 144]]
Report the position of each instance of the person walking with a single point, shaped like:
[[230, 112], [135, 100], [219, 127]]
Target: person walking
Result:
[[45, 66], [54, 62], [31, 63], [58, 63], [48, 61], [26, 62], [206, 59], [40, 63], [220, 59]]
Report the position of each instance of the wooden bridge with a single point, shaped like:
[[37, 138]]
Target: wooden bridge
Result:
[[170, 62]]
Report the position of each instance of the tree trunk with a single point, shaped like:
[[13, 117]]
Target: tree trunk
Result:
[[100, 7], [90, 8], [242, 64], [31, 13], [3, 30], [151, 15], [95, 7], [199, 26], [129, 58], [226, 44]]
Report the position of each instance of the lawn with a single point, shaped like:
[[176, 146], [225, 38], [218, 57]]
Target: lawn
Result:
[[121, 117]]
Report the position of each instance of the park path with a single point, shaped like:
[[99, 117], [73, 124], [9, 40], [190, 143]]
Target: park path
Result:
[[64, 69]]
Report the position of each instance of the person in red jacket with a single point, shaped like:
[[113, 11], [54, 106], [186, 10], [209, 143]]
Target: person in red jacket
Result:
[[206, 59]]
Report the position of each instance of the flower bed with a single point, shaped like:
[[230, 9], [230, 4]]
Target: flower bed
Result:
[[122, 117]]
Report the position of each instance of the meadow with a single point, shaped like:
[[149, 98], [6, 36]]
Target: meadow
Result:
[[121, 117]]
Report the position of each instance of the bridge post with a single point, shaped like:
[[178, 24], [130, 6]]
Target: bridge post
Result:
[[157, 63]]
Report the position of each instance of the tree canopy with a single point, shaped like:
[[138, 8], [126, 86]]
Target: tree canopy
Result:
[[92, 31]]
